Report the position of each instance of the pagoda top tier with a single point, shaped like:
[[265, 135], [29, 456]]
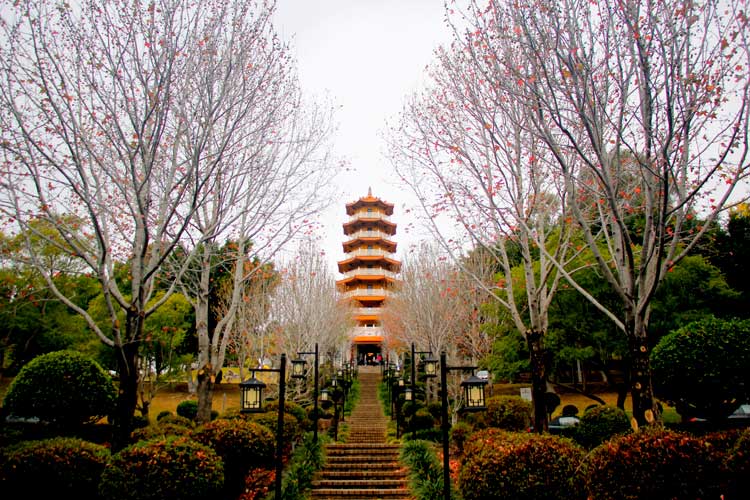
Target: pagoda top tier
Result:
[[369, 201]]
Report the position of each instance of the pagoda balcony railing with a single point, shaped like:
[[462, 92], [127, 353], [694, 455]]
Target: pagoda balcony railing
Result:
[[366, 271], [368, 234], [368, 311], [367, 292], [367, 331], [369, 215], [362, 252]]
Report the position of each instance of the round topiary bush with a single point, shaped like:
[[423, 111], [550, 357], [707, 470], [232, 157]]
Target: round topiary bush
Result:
[[173, 468], [520, 466], [163, 413], [53, 468], [653, 463], [291, 408], [600, 424], [511, 413], [65, 388], [188, 409], [293, 432], [241, 444], [160, 430], [421, 420], [701, 368], [176, 420]]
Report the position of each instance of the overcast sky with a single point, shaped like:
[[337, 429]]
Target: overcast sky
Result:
[[366, 56]]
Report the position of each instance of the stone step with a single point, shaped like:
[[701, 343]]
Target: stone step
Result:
[[361, 494], [373, 466], [360, 484], [395, 473], [359, 459]]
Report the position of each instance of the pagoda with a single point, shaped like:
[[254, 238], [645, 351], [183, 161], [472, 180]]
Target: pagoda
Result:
[[369, 271]]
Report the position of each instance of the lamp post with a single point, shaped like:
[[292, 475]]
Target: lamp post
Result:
[[429, 362], [473, 389], [298, 371], [251, 401]]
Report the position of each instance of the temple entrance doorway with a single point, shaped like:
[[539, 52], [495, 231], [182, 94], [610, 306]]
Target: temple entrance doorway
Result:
[[368, 354]]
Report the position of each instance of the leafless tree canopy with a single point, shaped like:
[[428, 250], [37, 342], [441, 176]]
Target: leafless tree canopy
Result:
[[633, 114]]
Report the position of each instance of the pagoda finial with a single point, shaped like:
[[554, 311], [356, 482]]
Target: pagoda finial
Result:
[[369, 192]]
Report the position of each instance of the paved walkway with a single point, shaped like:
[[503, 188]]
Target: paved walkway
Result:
[[364, 467]]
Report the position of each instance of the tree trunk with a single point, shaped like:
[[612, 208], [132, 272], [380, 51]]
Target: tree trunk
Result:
[[641, 390], [127, 397], [534, 340], [205, 394]]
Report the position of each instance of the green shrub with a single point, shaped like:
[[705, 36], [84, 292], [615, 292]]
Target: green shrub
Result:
[[425, 470], [737, 464], [600, 424], [176, 420], [306, 460], [293, 432], [175, 468], [64, 387], [511, 413], [160, 430], [653, 463], [519, 466], [421, 420], [53, 468], [164, 413], [188, 409], [459, 434], [241, 444], [291, 408], [140, 421], [701, 369]]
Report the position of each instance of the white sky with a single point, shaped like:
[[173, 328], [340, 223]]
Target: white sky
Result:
[[366, 56]]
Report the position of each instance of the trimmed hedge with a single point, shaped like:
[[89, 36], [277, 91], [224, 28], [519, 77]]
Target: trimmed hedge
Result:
[[65, 388], [241, 444], [159, 430], [511, 413], [187, 409], [654, 463], [517, 466], [52, 468], [175, 468], [600, 424]]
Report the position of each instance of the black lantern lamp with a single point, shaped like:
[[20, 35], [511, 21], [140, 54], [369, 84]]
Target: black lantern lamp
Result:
[[334, 382], [298, 368], [400, 382], [430, 367], [251, 395], [340, 373], [473, 388], [408, 394], [325, 395]]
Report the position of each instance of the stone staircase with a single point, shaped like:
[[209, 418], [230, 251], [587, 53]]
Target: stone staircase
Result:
[[364, 467]]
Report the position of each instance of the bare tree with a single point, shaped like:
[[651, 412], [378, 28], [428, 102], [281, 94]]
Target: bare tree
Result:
[[436, 307], [306, 308], [644, 108], [89, 93], [465, 150], [271, 159]]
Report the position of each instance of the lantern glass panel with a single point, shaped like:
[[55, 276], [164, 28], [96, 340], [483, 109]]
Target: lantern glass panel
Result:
[[430, 367], [298, 368]]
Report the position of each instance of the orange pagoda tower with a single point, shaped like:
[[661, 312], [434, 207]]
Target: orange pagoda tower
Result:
[[369, 271]]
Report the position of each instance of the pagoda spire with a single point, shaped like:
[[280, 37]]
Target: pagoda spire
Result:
[[369, 192]]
